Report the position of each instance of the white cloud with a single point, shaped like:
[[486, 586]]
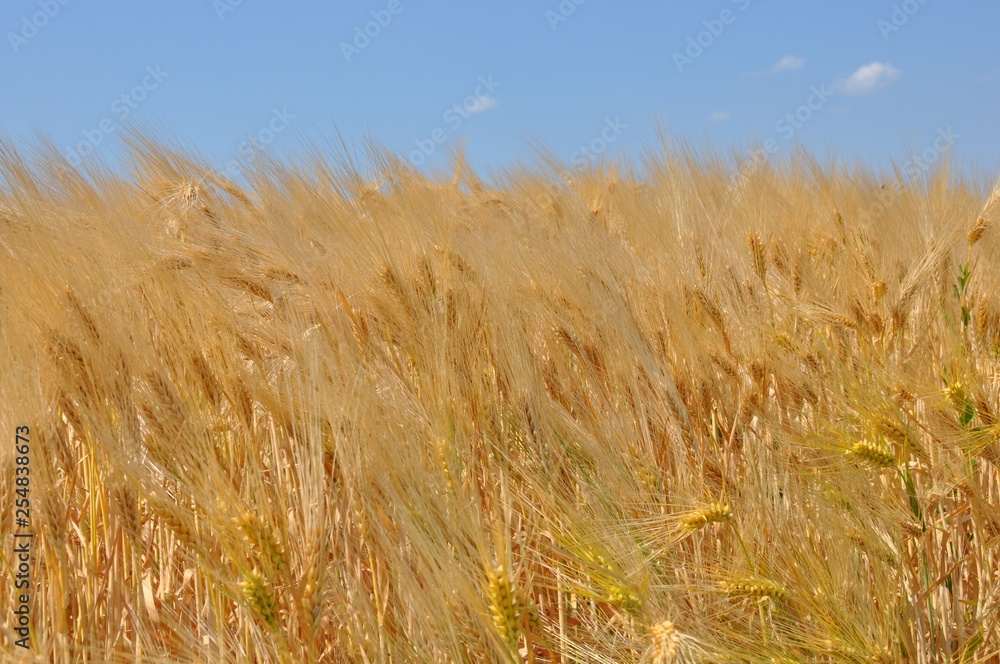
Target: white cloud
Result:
[[719, 116], [481, 104], [869, 78], [788, 63]]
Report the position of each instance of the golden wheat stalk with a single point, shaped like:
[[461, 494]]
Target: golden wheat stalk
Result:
[[505, 607], [754, 587], [263, 541], [871, 453], [714, 513]]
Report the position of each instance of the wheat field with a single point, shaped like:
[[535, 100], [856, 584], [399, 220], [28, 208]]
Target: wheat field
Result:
[[724, 411]]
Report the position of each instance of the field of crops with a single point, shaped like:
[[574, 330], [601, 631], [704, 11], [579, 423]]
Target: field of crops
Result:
[[720, 411]]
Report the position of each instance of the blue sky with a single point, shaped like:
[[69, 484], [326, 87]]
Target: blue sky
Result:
[[586, 78]]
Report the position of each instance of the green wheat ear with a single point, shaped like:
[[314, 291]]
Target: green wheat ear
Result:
[[755, 588], [873, 454], [259, 594]]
